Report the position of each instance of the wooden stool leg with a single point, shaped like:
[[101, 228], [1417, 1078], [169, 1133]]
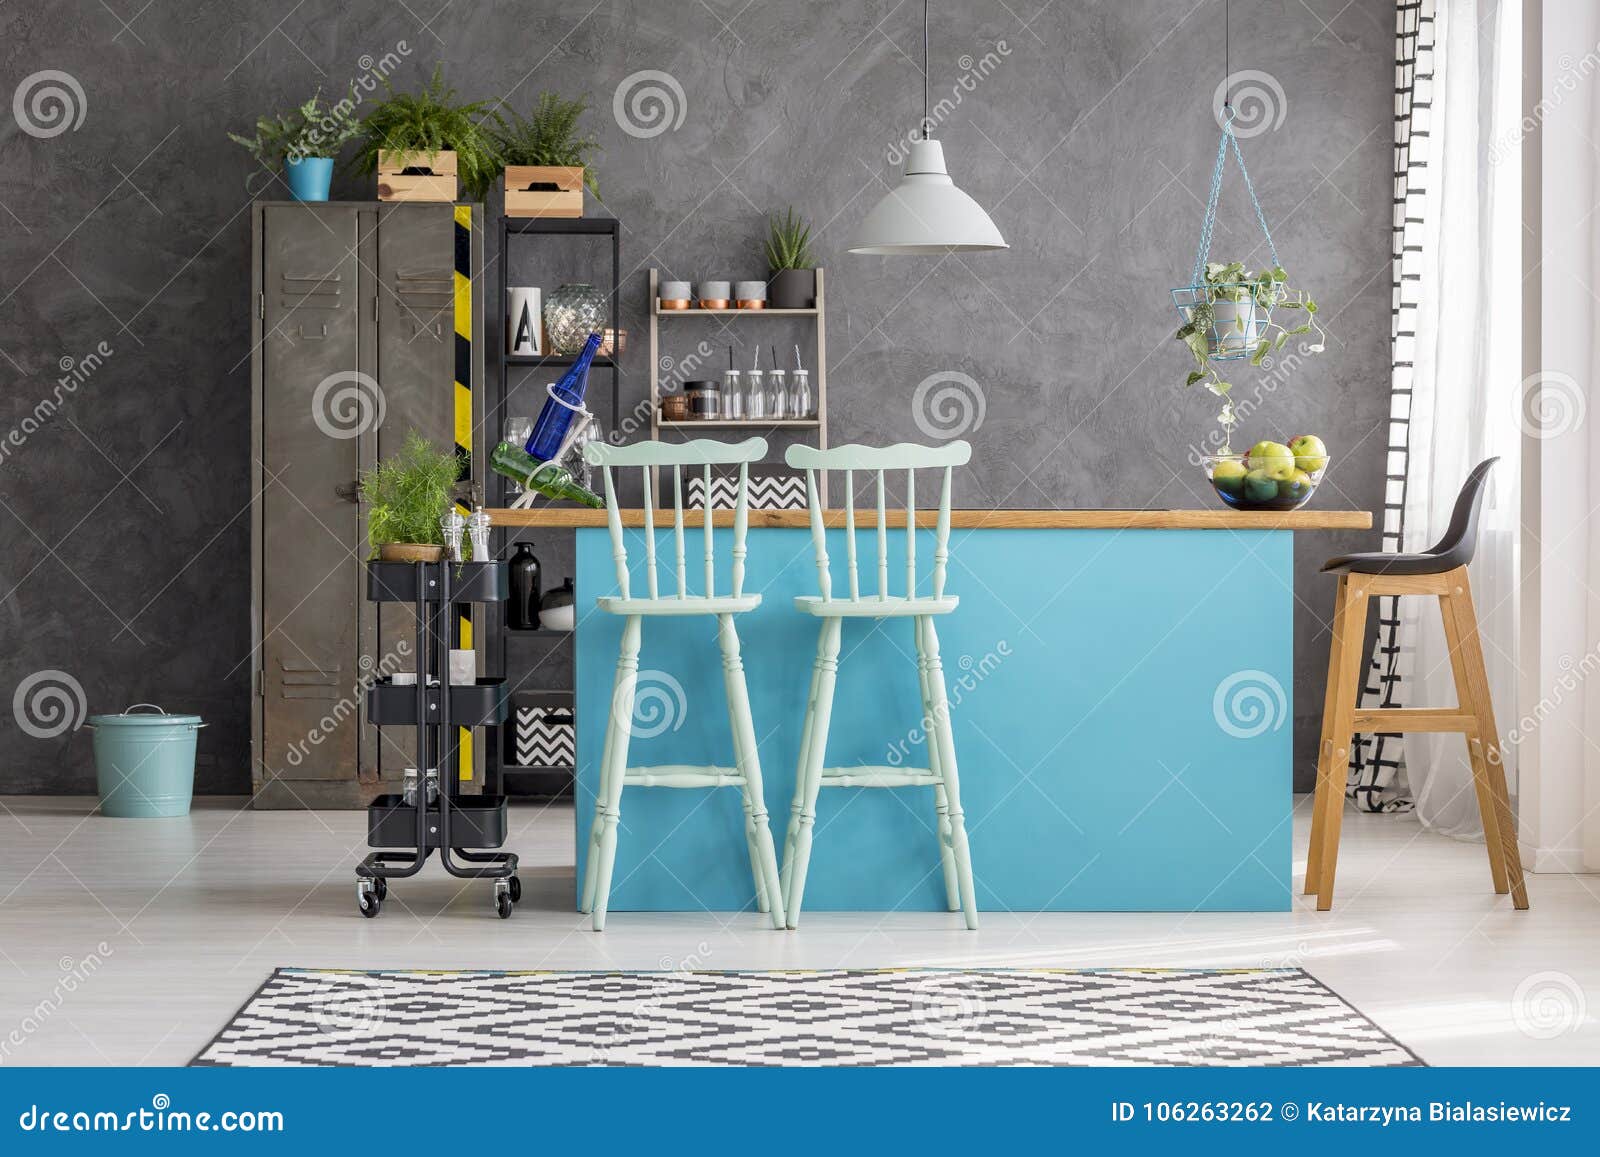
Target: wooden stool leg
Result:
[[1466, 699], [763, 861], [1483, 747], [1345, 669], [941, 798], [947, 772], [1327, 775], [614, 771], [808, 779]]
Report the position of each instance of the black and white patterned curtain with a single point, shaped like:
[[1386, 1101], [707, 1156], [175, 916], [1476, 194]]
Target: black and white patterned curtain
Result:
[[1375, 781]]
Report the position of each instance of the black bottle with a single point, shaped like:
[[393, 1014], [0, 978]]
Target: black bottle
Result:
[[522, 612]]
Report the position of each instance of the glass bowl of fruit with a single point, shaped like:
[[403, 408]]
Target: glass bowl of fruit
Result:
[[1272, 476]]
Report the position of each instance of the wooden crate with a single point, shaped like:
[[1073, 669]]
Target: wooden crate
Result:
[[395, 184], [565, 200]]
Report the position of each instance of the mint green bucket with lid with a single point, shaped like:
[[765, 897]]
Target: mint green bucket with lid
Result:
[[145, 762]]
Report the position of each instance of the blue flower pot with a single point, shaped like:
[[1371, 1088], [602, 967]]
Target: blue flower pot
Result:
[[309, 178]]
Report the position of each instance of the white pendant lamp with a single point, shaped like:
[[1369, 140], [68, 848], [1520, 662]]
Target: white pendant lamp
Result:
[[925, 212]]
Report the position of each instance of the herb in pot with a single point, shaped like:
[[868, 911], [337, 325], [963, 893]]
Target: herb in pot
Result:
[[428, 122], [548, 136]]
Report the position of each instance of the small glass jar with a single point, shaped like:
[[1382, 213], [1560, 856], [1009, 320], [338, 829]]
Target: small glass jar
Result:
[[777, 395], [801, 403], [705, 400], [755, 396], [732, 396]]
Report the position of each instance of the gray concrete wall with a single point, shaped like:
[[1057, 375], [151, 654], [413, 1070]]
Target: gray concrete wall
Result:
[[1089, 138]]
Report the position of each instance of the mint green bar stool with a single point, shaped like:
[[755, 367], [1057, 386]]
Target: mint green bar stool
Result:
[[940, 774], [615, 774]]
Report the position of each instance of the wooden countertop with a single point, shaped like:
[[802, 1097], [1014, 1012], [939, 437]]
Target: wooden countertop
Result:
[[1217, 518]]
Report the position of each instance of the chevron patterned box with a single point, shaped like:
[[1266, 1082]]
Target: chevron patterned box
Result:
[[771, 488], [542, 733]]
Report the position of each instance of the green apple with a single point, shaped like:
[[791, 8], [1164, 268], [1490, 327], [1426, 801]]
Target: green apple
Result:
[[1298, 488], [1309, 453], [1228, 474], [1273, 457], [1259, 486]]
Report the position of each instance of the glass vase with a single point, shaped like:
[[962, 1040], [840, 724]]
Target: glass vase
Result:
[[571, 314]]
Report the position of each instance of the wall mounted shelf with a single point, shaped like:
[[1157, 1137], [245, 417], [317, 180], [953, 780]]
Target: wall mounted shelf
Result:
[[819, 374]]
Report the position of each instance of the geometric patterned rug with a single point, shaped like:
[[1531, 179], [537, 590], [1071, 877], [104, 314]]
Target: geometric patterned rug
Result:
[[842, 1017]]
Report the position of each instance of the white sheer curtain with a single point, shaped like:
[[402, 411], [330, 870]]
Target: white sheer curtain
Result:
[[1466, 382]]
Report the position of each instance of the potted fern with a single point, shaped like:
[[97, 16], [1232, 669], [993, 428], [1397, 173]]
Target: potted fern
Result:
[[420, 144], [792, 275], [546, 158], [304, 141], [405, 495]]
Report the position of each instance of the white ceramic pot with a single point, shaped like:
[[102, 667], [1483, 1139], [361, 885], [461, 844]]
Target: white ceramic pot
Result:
[[674, 290], [750, 290], [557, 618], [1234, 327], [715, 291]]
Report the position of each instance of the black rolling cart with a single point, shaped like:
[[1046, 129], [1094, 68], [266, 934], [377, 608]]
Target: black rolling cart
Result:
[[460, 827]]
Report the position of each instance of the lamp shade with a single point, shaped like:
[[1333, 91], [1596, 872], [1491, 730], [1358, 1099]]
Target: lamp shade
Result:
[[926, 213]]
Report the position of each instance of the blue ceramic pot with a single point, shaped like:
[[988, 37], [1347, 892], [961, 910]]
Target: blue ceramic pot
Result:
[[309, 178]]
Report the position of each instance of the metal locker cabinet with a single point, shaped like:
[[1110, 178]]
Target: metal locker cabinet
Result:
[[355, 315]]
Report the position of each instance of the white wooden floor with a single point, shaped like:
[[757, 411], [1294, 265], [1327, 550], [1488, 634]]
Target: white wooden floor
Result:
[[132, 942]]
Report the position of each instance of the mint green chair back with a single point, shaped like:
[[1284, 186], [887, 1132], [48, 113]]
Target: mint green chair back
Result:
[[648, 457], [880, 461]]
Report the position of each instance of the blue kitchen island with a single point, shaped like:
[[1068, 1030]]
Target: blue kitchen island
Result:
[[1121, 692]]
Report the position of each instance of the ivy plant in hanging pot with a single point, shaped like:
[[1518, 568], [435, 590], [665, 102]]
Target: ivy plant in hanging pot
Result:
[[1229, 314]]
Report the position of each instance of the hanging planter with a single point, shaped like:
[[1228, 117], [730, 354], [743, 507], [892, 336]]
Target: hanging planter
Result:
[[1229, 314]]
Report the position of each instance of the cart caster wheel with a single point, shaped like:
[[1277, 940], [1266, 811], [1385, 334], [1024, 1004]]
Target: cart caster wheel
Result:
[[369, 904], [516, 890], [380, 887], [502, 904]]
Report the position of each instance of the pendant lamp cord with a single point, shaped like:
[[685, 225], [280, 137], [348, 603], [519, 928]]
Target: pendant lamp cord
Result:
[[927, 121], [1227, 52]]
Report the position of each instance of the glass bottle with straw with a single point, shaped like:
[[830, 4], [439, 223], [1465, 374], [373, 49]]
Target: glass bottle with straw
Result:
[[777, 388], [732, 397], [755, 395], [801, 403]]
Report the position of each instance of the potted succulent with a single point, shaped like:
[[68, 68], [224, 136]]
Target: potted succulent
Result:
[[546, 158], [1233, 315], [792, 276], [304, 142], [421, 143], [405, 495]]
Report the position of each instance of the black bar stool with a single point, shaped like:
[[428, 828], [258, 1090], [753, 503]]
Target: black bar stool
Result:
[[1440, 571]]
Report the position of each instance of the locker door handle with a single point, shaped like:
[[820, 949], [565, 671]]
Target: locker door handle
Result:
[[349, 491]]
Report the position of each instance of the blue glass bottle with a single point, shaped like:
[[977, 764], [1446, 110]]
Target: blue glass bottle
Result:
[[548, 432]]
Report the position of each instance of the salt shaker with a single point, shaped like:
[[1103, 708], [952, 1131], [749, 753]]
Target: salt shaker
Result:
[[452, 522], [478, 531]]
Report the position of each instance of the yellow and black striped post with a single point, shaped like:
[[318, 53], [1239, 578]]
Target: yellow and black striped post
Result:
[[462, 284]]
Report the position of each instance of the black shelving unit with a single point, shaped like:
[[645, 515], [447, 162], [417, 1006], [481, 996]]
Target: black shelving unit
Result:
[[501, 776], [460, 827]]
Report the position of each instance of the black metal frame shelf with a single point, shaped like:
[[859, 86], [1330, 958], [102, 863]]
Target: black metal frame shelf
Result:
[[495, 768]]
